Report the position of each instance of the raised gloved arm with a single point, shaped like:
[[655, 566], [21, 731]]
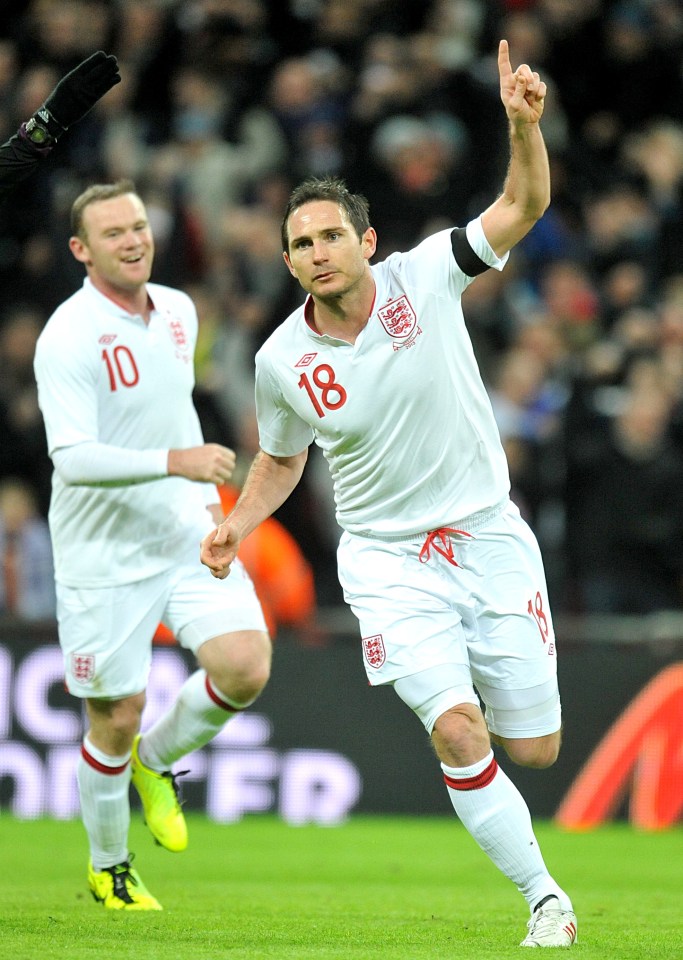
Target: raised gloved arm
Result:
[[72, 98]]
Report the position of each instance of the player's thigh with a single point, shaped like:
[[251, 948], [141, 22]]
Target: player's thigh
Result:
[[106, 636], [201, 608], [432, 693], [513, 653], [407, 619]]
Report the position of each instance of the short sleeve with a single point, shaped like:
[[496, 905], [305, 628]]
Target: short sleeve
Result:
[[481, 246], [282, 433]]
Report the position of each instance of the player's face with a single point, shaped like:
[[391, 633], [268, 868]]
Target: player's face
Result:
[[117, 245], [325, 253]]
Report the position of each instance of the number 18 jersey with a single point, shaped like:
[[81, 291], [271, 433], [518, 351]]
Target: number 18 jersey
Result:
[[401, 415]]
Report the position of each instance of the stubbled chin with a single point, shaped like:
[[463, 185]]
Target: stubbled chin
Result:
[[136, 272], [329, 285]]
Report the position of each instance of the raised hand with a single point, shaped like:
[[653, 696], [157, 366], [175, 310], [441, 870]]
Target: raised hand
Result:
[[522, 92], [79, 91]]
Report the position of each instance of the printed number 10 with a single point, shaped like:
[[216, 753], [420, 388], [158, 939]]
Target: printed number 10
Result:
[[122, 368], [323, 378]]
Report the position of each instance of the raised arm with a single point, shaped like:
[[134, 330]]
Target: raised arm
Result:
[[526, 192], [74, 95], [269, 483]]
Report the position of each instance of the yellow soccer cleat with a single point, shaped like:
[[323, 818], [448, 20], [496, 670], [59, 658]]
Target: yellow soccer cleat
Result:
[[120, 888], [159, 796]]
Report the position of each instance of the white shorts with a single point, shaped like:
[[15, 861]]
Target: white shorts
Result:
[[438, 631], [106, 633]]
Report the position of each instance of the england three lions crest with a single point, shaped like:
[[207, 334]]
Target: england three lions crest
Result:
[[400, 321], [83, 667], [176, 329], [373, 651]]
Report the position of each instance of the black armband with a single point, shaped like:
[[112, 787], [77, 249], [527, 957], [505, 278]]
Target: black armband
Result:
[[468, 261]]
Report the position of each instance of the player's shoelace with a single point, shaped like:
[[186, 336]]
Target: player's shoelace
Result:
[[543, 924], [440, 540], [121, 875], [173, 777]]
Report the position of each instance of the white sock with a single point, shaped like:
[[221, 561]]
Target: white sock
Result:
[[103, 787], [195, 718], [494, 812]]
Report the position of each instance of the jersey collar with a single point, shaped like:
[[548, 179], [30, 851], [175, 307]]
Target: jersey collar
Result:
[[313, 331], [110, 306]]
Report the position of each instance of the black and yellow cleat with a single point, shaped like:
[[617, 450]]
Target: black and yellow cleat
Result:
[[120, 888]]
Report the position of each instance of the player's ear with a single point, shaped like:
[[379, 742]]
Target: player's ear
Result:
[[289, 263], [369, 243], [79, 249]]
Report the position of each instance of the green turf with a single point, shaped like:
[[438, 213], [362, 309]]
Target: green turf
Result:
[[375, 888]]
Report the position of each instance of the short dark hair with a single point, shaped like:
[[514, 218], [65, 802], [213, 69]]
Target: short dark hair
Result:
[[98, 191], [327, 188]]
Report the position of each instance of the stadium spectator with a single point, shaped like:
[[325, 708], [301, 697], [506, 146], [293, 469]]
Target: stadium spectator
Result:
[[27, 587], [625, 519], [22, 452], [307, 99], [213, 174], [135, 483], [437, 564]]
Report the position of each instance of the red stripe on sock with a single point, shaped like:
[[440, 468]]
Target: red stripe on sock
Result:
[[473, 783], [216, 699], [101, 767]]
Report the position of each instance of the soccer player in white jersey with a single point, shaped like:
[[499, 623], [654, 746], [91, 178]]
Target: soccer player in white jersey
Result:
[[134, 490], [444, 576]]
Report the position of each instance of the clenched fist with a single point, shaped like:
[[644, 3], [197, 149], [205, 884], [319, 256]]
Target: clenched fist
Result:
[[210, 463]]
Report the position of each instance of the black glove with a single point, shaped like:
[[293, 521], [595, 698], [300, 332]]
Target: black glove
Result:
[[75, 94]]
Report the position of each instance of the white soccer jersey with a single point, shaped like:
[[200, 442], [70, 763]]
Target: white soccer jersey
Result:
[[105, 376], [401, 415]]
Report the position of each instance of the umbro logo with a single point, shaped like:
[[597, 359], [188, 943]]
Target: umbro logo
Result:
[[307, 359], [107, 338]]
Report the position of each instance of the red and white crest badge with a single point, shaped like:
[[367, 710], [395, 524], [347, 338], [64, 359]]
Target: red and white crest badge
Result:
[[178, 333], [373, 651], [179, 338], [82, 667], [398, 318]]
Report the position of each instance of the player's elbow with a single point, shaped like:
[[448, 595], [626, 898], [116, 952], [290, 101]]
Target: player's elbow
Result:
[[533, 208]]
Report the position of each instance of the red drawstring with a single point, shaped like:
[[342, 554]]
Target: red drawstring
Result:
[[444, 546]]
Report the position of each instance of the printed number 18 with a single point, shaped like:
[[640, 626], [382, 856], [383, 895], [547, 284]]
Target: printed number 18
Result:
[[323, 378], [538, 613]]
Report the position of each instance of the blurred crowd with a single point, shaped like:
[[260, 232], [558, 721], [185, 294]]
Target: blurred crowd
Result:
[[227, 104]]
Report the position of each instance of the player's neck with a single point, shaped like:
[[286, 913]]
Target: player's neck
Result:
[[135, 302], [345, 316]]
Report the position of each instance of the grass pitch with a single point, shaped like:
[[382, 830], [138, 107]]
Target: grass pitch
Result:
[[377, 887]]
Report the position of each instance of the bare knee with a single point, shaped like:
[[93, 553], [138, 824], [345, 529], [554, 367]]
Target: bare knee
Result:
[[114, 723], [238, 663], [535, 752], [460, 736]]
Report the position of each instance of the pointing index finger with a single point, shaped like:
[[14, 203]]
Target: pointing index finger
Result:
[[504, 65]]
